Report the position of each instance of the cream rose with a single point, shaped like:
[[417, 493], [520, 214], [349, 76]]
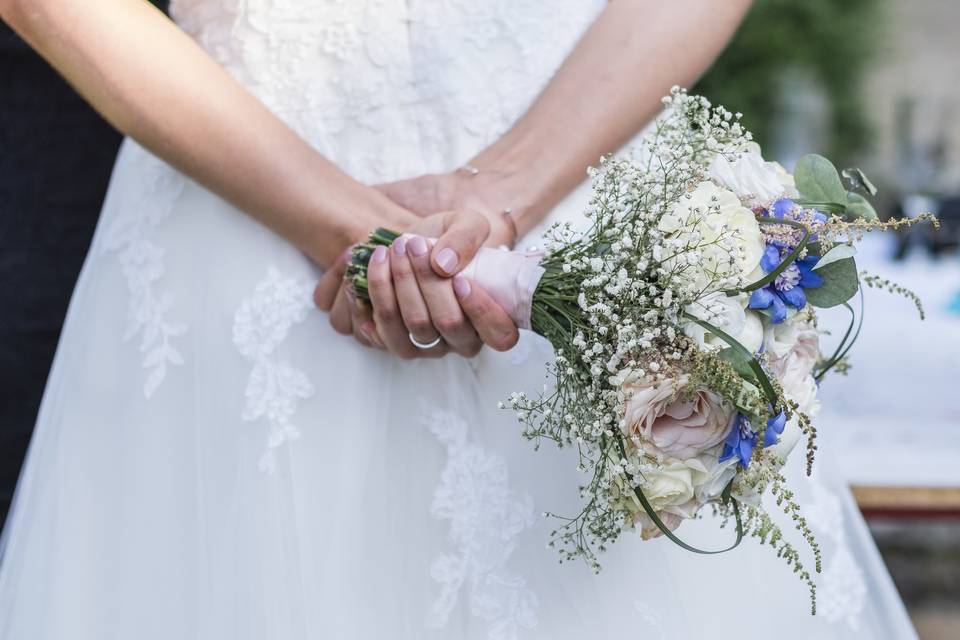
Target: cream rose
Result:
[[670, 490], [662, 423], [703, 216]]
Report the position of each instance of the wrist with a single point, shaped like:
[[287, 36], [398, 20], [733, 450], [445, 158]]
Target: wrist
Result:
[[341, 222], [511, 198]]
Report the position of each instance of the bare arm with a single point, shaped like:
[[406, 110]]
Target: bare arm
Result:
[[608, 88], [606, 91], [152, 82]]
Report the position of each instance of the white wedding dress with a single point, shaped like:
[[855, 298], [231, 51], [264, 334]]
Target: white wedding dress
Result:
[[213, 462]]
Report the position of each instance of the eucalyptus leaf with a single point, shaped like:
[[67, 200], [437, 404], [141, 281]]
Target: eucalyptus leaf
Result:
[[839, 252], [859, 180], [818, 181], [859, 207], [840, 283]]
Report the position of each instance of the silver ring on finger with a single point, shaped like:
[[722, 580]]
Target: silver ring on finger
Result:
[[424, 345]]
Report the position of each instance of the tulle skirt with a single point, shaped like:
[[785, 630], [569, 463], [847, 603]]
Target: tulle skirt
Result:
[[212, 461]]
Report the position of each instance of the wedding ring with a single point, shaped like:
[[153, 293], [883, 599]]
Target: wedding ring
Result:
[[422, 345]]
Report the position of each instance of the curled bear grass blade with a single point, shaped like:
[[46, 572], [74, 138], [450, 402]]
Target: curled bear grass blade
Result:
[[787, 260], [670, 535]]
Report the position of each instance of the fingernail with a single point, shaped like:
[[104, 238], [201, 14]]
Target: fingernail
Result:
[[351, 294], [379, 254], [447, 260], [461, 286], [418, 246], [400, 246], [367, 330]]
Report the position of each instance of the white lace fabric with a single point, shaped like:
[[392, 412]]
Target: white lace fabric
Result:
[[212, 461]]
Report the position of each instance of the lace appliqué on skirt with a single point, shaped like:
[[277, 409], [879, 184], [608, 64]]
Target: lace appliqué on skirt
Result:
[[485, 516], [274, 387], [141, 262], [841, 590]]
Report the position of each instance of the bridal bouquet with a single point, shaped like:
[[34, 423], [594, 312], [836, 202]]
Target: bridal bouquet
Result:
[[684, 321]]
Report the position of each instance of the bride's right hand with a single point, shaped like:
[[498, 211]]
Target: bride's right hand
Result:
[[414, 297]]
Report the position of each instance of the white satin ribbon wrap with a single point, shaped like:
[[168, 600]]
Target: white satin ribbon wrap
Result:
[[510, 277]]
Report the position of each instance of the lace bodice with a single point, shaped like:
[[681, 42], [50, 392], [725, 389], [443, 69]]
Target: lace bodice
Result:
[[389, 88]]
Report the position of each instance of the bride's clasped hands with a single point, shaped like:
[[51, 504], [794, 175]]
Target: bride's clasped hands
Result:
[[419, 306]]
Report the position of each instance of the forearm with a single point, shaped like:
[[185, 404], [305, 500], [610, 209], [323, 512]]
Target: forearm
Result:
[[155, 84], [605, 92]]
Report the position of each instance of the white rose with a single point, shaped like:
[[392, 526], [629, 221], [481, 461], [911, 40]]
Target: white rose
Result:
[[669, 488], [730, 315], [779, 339], [786, 181], [723, 311], [669, 485], [701, 217], [794, 365], [753, 180], [713, 478], [804, 393], [751, 337], [793, 369]]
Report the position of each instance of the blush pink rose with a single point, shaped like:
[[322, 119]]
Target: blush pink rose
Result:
[[670, 516], [666, 425], [794, 367]]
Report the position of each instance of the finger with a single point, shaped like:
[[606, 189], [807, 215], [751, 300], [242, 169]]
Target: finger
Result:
[[386, 312], [413, 308], [494, 325], [326, 290], [464, 233], [361, 316], [445, 312], [340, 318]]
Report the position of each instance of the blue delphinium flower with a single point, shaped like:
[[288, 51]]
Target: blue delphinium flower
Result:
[[787, 208], [742, 438], [788, 287]]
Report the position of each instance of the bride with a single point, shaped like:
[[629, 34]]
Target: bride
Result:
[[212, 460]]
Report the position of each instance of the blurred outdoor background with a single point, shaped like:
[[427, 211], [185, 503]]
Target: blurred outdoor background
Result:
[[869, 83], [876, 84]]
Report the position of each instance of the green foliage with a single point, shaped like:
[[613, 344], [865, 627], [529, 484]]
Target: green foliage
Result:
[[838, 252], [820, 185], [840, 283], [859, 181], [817, 179], [834, 40], [858, 207]]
